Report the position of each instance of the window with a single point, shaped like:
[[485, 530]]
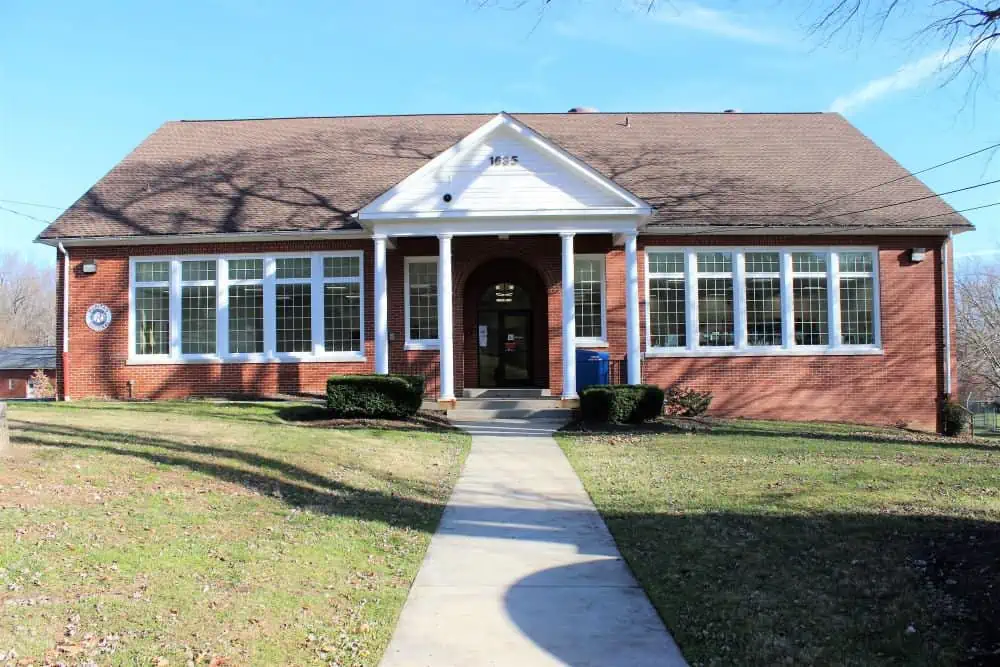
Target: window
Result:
[[809, 298], [342, 304], [256, 308], [716, 327], [293, 304], [589, 298], [198, 311], [667, 300], [10, 384], [713, 301], [763, 296], [421, 301], [152, 308], [857, 298], [246, 306]]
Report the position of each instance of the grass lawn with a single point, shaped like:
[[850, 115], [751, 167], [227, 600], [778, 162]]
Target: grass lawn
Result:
[[765, 543], [163, 533]]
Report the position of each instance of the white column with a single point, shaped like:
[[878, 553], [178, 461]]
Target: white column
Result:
[[381, 309], [568, 318], [632, 309], [445, 329]]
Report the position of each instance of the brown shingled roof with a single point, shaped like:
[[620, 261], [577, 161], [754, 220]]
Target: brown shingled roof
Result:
[[305, 174]]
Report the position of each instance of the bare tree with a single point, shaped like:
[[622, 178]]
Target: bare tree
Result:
[[27, 302], [977, 304], [968, 29]]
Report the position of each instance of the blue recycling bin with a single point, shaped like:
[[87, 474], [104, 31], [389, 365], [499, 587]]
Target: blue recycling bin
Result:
[[591, 368]]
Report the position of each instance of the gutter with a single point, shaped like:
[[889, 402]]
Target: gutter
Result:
[[946, 302], [65, 321]]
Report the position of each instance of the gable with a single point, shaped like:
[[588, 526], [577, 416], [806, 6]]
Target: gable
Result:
[[503, 168]]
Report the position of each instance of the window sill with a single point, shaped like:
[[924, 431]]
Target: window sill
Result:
[[653, 353], [422, 345], [345, 357]]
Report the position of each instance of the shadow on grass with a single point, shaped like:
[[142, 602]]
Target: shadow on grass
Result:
[[734, 588], [753, 589], [762, 429], [294, 485]]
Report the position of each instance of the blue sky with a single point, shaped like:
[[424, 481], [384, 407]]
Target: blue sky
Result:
[[82, 83]]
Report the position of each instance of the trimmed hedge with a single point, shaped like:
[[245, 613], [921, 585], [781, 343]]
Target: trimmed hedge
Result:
[[621, 404], [376, 396]]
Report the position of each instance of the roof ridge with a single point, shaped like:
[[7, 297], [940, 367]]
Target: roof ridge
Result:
[[510, 113]]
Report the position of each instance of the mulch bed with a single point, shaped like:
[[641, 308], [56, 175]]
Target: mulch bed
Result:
[[316, 416]]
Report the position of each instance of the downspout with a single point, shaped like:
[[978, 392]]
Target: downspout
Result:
[[946, 289], [64, 356]]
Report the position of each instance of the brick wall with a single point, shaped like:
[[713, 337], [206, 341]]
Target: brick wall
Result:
[[902, 385]]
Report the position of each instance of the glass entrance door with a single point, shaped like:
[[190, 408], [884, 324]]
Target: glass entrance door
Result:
[[515, 355], [504, 337]]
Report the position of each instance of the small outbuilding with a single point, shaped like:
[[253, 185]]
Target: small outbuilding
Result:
[[18, 365]]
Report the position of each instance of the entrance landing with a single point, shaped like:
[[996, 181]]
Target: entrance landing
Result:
[[522, 570]]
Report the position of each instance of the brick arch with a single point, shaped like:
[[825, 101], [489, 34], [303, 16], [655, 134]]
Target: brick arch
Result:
[[535, 281]]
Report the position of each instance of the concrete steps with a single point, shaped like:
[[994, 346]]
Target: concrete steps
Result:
[[513, 392], [516, 406]]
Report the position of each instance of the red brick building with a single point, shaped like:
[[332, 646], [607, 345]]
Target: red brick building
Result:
[[782, 261], [18, 365]]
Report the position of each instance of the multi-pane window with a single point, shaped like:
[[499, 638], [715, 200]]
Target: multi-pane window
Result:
[[667, 300], [766, 300], [716, 326], [342, 304], [198, 311], [246, 306], [293, 304], [857, 298], [421, 300], [809, 298], [152, 307], [589, 297], [763, 298]]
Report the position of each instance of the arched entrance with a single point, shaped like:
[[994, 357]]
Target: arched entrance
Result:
[[506, 335]]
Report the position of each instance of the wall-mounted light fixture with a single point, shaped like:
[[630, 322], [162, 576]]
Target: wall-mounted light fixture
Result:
[[90, 266], [917, 254]]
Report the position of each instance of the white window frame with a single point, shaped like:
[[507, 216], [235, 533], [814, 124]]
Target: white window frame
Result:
[[269, 282], [788, 346], [417, 343], [602, 340], [173, 283]]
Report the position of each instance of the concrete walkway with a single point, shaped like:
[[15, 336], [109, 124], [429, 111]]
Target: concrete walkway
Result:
[[523, 571]]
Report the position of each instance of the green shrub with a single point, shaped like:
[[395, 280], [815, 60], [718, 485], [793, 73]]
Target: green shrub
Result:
[[621, 404], [685, 402], [953, 417], [380, 396]]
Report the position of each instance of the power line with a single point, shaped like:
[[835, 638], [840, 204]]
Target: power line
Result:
[[28, 203], [898, 178], [25, 215], [907, 201]]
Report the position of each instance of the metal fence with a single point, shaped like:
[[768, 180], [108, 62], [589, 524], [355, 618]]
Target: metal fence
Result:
[[985, 416]]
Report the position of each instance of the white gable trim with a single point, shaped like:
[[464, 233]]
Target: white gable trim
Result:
[[630, 203]]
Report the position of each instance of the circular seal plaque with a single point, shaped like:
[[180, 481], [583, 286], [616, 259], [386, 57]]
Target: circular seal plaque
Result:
[[98, 317]]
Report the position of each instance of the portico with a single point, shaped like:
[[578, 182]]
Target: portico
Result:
[[500, 182], [492, 271]]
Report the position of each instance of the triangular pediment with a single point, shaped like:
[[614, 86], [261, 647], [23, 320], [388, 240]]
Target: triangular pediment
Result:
[[503, 168]]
